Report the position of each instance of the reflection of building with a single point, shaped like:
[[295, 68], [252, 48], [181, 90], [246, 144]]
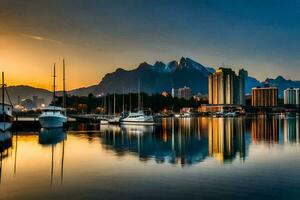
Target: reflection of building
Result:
[[220, 108], [265, 129], [226, 138], [225, 87], [176, 143], [291, 130], [264, 96], [185, 93], [292, 96]]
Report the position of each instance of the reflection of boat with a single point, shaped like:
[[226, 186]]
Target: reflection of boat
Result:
[[230, 114], [51, 136], [52, 117], [5, 140], [165, 143], [5, 144], [6, 117], [134, 129]]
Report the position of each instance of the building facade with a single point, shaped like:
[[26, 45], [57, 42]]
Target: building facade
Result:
[[264, 96], [292, 96], [225, 87], [185, 93]]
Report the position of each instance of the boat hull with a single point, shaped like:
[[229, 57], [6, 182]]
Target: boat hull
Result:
[[52, 121], [6, 118], [4, 126]]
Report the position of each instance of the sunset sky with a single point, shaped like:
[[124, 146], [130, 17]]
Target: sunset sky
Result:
[[98, 36]]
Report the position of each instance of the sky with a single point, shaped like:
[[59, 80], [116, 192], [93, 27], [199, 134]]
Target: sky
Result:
[[98, 36]]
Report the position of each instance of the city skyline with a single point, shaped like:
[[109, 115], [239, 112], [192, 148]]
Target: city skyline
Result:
[[97, 37]]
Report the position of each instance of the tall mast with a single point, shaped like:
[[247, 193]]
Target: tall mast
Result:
[[123, 101], [139, 95], [54, 87], [108, 105], [3, 90], [64, 88], [129, 100], [105, 107], [114, 104]]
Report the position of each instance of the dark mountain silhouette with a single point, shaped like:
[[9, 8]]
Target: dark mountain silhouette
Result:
[[157, 78], [282, 84], [27, 92], [154, 78]]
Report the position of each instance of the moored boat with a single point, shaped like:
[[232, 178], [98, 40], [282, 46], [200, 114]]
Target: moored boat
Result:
[[6, 116], [54, 116], [136, 118]]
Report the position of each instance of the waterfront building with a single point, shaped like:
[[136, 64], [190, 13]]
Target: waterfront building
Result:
[[264, 96], [225, 87], [185, 93], [292, 96]]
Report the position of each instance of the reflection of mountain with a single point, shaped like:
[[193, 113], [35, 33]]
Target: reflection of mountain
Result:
[[265, 129], [291, 130], [168, 143], [226, 138]]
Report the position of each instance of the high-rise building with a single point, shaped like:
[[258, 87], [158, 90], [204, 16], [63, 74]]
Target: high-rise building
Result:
[[185, 93], [174, 92], [264, 96], [225, 87], [292, 96]]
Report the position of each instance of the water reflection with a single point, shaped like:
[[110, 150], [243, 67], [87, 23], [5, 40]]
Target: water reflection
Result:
[[186, 141], [5, 144], [291, 130], [53, 137], [265, 129], [181, 143], [227, 138], [88, 160]]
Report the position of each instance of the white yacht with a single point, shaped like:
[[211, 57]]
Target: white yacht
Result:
[[136, 118], [139, 117], [6, 117], [54, 116]]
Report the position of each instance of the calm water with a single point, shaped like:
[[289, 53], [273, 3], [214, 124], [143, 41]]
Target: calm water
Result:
[[201, 158]]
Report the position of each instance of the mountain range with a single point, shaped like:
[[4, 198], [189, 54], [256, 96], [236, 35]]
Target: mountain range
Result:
[[153, 78]]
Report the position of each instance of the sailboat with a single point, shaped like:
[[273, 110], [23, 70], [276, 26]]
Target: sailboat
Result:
[[6, 117], [115, 119], [54, 116], [139, 117]]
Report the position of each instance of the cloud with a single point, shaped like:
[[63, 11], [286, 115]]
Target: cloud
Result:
[[40, 38]]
